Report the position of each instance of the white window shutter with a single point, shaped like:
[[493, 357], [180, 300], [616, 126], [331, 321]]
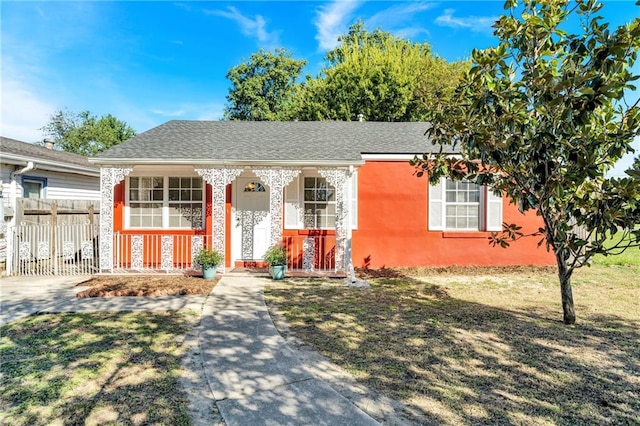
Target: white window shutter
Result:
[[353, 206], [436, 206], [292, 205], [494, 211]]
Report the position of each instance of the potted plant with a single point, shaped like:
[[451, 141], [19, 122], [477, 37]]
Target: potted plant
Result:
[[209, 259], [276, 257]]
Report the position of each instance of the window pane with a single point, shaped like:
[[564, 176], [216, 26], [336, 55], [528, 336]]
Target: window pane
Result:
[[309, 182], [174, 195], [185, 195], [196, 195], [185, 183], [309, 195], [133, 182], [158, 182], [174, 182]]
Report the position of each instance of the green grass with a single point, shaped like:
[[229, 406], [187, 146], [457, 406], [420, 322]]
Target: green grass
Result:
[[481, 348], [630, 257], [102, 368]]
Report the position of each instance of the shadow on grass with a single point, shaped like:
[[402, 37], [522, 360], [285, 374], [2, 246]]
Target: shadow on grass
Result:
[[457, 362], [116, 368]]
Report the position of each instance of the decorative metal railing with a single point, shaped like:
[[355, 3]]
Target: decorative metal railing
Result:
[[157, 252], [310, 253]]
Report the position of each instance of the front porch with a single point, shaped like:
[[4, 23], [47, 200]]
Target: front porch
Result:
[[311, 223]]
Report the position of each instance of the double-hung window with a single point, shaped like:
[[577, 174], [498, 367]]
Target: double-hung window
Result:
[[319, 204], [463, 206], [165, 202], [310, 202]]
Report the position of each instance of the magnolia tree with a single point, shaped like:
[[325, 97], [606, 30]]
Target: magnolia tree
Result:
[[542, 118]]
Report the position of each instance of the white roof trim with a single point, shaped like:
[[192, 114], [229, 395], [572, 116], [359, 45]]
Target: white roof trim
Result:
[[274, 163], [53, 166], [389, 157]]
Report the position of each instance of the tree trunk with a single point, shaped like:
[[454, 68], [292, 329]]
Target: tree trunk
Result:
[[568, 311]]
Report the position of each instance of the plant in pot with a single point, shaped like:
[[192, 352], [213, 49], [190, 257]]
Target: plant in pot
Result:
[[209, 259], [276, 257]]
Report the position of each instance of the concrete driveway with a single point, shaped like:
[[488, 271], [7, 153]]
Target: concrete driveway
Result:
[[24, 296]]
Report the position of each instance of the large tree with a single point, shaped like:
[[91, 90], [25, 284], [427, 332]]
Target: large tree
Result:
[[542, 118], [86, 134], [378, 75], [263, 88]]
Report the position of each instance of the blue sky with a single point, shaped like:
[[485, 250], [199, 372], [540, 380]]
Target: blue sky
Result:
[[150, 62]]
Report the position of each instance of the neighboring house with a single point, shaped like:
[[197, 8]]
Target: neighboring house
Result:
[[29, 171], [335, 193]]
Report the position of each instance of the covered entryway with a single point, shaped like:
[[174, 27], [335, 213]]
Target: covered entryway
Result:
[[250, 220]]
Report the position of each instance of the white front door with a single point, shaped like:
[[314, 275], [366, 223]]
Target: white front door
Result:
[[251, 220]]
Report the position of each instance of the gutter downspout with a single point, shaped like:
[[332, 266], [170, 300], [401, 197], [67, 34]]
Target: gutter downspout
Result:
[[30, 166]]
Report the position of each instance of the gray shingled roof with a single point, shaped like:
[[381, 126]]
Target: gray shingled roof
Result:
[[15, 149], [253, 141]]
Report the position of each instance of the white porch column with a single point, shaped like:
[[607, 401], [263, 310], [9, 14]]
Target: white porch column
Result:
[[218, 178], [276, 179], [109, 178], [338, 178]]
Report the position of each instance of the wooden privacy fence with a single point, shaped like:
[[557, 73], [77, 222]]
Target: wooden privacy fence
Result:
[[65, 249]]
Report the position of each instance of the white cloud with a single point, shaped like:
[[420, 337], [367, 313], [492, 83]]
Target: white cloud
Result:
[[255, 28], [397, 15], [24, 112], [175, 113], [474, 23], [332, 21]]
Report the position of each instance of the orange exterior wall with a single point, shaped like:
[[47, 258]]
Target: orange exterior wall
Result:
[[392, 227]]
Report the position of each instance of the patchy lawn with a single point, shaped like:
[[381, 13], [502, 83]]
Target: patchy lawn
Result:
[[146, 285], [99, 368], [481, 346]]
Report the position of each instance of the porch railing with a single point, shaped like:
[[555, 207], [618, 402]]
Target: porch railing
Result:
[[310, 252], [157, 253]]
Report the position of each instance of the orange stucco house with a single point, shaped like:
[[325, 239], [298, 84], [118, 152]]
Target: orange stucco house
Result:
[[336, 194]]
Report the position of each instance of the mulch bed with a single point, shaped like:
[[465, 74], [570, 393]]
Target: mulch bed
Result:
[[146, 285]]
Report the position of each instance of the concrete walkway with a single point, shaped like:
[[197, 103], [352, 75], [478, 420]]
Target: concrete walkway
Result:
[[255, 377]]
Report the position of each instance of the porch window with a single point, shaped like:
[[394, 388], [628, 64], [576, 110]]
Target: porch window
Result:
[[165, 202], [319, 204], [463, 206], [310, 202]]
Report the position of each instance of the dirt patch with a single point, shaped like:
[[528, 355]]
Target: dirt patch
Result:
[[145, 285], [451, 270]]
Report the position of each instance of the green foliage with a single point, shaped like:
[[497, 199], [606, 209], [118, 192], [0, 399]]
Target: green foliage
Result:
[[85, 134], [208, 258], [379, 75], [542, 118], [276, 255], [376, 74], [264, 87]]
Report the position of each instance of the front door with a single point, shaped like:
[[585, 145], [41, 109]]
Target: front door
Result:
[[251, 220]]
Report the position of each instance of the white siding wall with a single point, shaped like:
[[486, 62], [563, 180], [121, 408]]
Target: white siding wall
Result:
[[65, 186]]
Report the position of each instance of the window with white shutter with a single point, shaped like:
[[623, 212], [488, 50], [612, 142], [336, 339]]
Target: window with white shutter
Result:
[[463, 206]]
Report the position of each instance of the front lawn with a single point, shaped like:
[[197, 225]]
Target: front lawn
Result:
[[481, 346], [99, 368]]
